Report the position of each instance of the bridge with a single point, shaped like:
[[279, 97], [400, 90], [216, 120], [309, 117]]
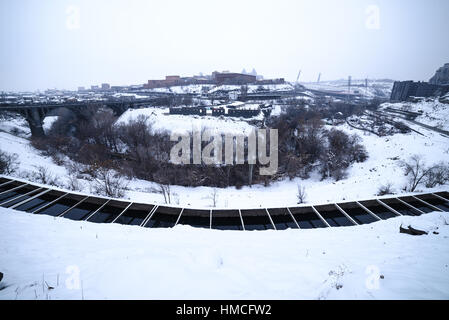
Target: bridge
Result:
[[35, 113], [24, 196]]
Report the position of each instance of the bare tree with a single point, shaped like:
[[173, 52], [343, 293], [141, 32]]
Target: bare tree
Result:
[[214, 197], [415, 169], [109, 183], [165, 190], [8, 162], [301, 194]]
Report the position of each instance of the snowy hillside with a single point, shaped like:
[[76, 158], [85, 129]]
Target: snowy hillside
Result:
[[209, 88], [161, 120], [81, 260], [255, 88], [376, 88], [363, 182], [434, 113]]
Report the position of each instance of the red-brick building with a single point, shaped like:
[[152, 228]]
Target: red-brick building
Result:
[[169, 81]]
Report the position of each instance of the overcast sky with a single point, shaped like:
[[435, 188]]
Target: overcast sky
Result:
[[66, 44]]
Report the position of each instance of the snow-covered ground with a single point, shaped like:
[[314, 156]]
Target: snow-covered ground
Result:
[[193, 88], [376, 88], [161, 120], [82, 260], [434, 113]]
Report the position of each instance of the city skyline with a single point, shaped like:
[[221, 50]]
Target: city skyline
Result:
[[67, 44]]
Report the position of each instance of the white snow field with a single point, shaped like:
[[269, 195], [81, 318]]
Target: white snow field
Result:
[[55, 258], [161, 120], [376, 88]]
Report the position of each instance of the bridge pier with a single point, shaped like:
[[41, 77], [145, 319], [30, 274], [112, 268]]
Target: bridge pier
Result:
[[35, 119], [120, 109]]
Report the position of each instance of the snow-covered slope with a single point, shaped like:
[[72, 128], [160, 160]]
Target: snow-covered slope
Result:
[[82, 260], [209, 88], [363, 182], [434, 113], [376, 88], [161, 120]]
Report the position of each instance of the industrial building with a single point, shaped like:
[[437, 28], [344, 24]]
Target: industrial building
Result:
[[169, 81], [217, 78], [233, 78]]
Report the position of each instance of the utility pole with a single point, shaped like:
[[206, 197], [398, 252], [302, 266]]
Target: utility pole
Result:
[[366, 88], [349, 86]]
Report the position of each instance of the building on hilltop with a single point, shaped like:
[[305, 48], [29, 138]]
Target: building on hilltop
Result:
[[233, 78], [169, 81]]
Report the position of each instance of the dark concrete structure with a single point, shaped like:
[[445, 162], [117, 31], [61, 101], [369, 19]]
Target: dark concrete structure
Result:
[[188, 111], [403, 90], [216, 112], [244, 113]]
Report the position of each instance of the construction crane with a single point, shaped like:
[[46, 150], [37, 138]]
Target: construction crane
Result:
[[319, 78], [299, 74]]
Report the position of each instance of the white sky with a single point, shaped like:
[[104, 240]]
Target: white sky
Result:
[[43, 45]]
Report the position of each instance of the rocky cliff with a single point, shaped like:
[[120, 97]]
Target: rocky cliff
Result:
[[441, 77]]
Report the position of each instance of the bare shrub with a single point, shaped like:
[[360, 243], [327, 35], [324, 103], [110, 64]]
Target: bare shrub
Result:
[[438, 175], [59, 159], [18, 132], [73, 184], [385, 190], [44, 176], [74, 168], [109, 183], [8, 162], [301, 194]]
